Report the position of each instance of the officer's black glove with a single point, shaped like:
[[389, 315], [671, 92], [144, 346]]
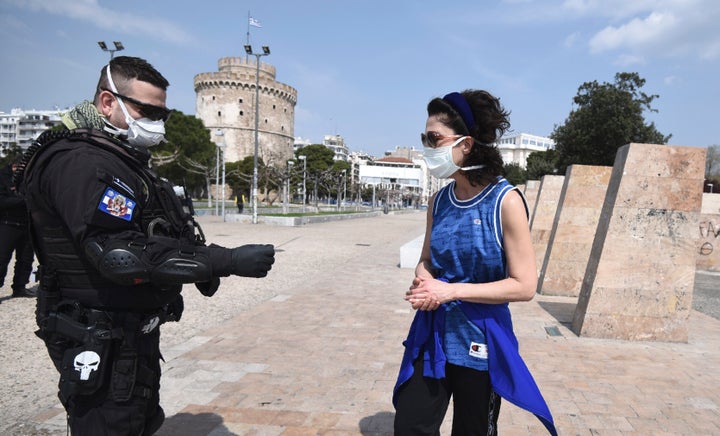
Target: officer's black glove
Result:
[[253, 260], [208, 288]]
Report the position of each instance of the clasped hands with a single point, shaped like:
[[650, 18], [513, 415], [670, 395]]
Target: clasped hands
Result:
[[427, 293]]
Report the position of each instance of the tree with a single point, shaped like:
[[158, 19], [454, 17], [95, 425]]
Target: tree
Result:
[[188, 155], [9, 154], [712, 162], [540, 163], [607, 117], [515, 174], [239, 176], [319, 161]]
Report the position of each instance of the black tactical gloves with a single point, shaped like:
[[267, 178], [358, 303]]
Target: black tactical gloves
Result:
[[253, 260]]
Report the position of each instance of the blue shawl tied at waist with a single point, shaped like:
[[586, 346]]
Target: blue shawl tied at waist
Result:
[[509, 375]]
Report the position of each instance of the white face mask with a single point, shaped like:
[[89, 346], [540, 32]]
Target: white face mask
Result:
[[440, 161], [142, 132]]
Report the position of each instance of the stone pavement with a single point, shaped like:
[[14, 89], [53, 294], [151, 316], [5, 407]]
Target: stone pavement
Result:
[[320, 357]]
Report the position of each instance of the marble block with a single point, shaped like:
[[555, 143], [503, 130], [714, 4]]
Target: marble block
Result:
[[708, 253], [544, 214], [530, 191], [573, 231], [640, 275]]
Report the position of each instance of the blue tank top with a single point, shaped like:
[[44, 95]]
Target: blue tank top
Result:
[[466, 247]]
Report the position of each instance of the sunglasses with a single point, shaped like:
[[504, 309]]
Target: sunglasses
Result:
[[431, 139], [147, 110]]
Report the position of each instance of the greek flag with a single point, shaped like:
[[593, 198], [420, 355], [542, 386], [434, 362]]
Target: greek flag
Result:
[[254, 22]]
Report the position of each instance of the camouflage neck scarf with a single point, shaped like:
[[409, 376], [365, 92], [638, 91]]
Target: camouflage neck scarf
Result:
[[83, 116]]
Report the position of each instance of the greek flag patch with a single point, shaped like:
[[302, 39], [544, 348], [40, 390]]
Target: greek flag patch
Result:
[[116, 205]]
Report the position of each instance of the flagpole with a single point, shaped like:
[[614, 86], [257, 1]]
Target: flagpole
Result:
[[248, 34]]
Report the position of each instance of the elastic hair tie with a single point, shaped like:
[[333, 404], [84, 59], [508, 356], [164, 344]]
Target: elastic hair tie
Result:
[[461, 106]]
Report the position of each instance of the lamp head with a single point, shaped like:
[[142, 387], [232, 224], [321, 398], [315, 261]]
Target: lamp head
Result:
[[266, 49], [248, 49]]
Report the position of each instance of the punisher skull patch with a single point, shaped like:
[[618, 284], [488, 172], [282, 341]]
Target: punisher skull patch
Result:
[[115, 204], [85, 363]]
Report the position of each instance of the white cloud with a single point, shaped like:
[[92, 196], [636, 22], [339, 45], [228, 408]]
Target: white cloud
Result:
[[90, 11], [654, 29], [635, 34]]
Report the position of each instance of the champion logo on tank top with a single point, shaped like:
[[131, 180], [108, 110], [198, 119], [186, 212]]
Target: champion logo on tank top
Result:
[[478, 350], [477, 221]]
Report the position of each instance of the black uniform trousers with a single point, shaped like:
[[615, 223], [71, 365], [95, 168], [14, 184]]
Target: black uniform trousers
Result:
[[100, 413], [422, 403], [15, 238]]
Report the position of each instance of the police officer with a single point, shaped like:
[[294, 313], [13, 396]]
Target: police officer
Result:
[[115, 247], [14, 235]]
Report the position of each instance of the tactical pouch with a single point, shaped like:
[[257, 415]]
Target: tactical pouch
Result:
[[83, 370], [47, 298], [124, 374]]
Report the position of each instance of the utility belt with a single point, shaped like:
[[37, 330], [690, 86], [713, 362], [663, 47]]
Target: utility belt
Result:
[[86, 344]]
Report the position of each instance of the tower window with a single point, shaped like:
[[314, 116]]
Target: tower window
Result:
[[241, 113], [240, 100], [219, 113]]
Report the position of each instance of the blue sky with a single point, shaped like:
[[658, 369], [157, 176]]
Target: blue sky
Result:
[[366, 69]]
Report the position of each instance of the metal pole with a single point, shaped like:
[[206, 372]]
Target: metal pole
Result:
[[223, 181], [255, 156], [217, 177], [304, 186]]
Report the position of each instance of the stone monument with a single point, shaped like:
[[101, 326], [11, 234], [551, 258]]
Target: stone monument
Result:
[[573, 231], [544, 215], [530, 191], [708, 254], [639, 280]]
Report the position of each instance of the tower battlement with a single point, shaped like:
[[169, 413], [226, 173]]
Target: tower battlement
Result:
[[225, 100]]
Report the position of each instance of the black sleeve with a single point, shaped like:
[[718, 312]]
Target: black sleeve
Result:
[[100, 199]]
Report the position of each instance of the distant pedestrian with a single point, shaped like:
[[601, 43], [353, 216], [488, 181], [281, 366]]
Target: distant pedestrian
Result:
[[477, 257], [239, 202], [14, 235]]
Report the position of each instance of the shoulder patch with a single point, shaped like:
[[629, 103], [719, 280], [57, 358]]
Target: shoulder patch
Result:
[[117, 205]]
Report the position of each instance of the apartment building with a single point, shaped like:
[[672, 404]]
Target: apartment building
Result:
[[21, 127]]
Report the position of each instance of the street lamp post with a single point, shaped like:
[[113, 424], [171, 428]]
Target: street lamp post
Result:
[[711, 187], [221, 161], [118, 46], [304, 159], [249, 51], [344, 184], [217, 176], [287, 186]]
